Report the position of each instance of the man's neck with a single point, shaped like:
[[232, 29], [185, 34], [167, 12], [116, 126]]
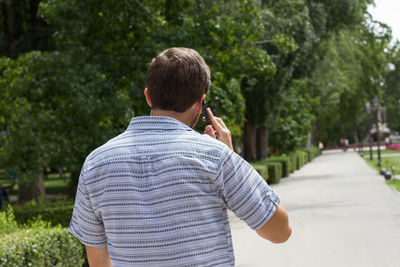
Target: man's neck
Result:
[[183, 117]]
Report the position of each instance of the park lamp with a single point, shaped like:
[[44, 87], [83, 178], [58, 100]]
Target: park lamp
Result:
[[368, 108], [377, 107]]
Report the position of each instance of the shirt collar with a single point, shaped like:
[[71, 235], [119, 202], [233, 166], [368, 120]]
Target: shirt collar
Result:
[[157, 123]]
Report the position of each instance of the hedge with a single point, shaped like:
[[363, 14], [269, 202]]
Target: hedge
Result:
[[293, 162], [312, 152], [262, 169], [277, 167], [301, 158], [59, 212], [274, 170], [286, 164], [38, 245]]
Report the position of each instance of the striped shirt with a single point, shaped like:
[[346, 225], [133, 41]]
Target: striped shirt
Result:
[[158, 194]]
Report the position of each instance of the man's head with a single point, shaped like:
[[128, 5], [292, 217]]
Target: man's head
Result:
[[176, 79]]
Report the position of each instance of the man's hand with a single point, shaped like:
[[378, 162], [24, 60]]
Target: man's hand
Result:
[[218, 130]]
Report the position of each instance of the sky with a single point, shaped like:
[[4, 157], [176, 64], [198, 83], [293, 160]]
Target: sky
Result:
[[388, 11]]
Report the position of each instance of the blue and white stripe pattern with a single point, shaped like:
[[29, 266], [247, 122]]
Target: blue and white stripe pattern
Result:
[[158, 194]]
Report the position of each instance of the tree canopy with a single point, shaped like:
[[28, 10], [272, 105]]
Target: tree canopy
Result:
[[285, 73]]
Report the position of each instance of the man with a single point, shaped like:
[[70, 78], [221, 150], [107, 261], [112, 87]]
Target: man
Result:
[[158, 194]]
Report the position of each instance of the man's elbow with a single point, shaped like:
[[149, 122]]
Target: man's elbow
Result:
[[277, 229], [282, 237]]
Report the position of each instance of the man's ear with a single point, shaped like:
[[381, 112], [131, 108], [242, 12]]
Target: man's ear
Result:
[[148, 100], [199, 104]]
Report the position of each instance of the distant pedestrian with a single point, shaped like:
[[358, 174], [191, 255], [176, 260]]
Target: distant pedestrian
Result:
[[321, 145], [344, 143]]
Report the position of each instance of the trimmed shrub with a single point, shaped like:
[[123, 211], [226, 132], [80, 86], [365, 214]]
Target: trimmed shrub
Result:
[[274, 170], [59, 212], [301, 158], [312, 152], [37, 244], [262, 169], [286, 164], [293, 162], [40, 246]]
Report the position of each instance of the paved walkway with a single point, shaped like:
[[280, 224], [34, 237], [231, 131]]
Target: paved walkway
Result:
[[342, 214]]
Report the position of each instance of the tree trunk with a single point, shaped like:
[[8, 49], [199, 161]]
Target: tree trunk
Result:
[[73, 182], [249, 141], [36, 23], [314, 132], [9, 25], [28, 192], [262, 142]]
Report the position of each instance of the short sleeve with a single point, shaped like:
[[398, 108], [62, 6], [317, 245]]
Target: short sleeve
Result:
[[85, 224], [245, 192]]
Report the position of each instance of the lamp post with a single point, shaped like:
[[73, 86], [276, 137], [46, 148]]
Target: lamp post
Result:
[[369, 110], [378, 108]]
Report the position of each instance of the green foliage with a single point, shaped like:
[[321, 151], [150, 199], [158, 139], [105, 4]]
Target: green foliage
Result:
[[391, 89], [56, 213], [395, 183], [40, 246], [59, 109], [274, 170], [312, 152], [295, 121], [262, 169], [37, 244], [7, 221], [358, 58], [301, 158], [294, 67], [286, 164]]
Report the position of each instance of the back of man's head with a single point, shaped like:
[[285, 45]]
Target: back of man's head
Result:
[[177, 78]]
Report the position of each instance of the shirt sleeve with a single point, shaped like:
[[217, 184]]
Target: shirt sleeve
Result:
[[245, 192], [85, 223]]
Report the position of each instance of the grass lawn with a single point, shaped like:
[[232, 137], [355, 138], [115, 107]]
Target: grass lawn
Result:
[[388, 164], [383, 152], [395, 183]]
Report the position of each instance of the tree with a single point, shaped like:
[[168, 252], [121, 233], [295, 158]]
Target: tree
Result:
[[56, 109], [358, 58], [391, 89]]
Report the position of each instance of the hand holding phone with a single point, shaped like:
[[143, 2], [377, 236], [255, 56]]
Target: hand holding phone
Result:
[[216, 127], [207, 119]]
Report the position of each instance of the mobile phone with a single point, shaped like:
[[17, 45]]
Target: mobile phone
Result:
[[208, 122]]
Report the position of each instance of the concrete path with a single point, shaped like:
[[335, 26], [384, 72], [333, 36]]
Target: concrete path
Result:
[[342, 214]]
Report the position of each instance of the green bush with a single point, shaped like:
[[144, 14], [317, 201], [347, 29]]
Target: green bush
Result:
[[293, 163], [286, 164], [274, 170], [301, 158], [312, 152], [7, 222], [59, 212], [262, 169], [38, 244]]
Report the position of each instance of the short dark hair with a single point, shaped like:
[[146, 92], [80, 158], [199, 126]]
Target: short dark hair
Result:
[[177, 78]]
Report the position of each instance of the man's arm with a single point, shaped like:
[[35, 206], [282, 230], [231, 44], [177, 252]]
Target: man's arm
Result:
[[98, 257], [277, 229]]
